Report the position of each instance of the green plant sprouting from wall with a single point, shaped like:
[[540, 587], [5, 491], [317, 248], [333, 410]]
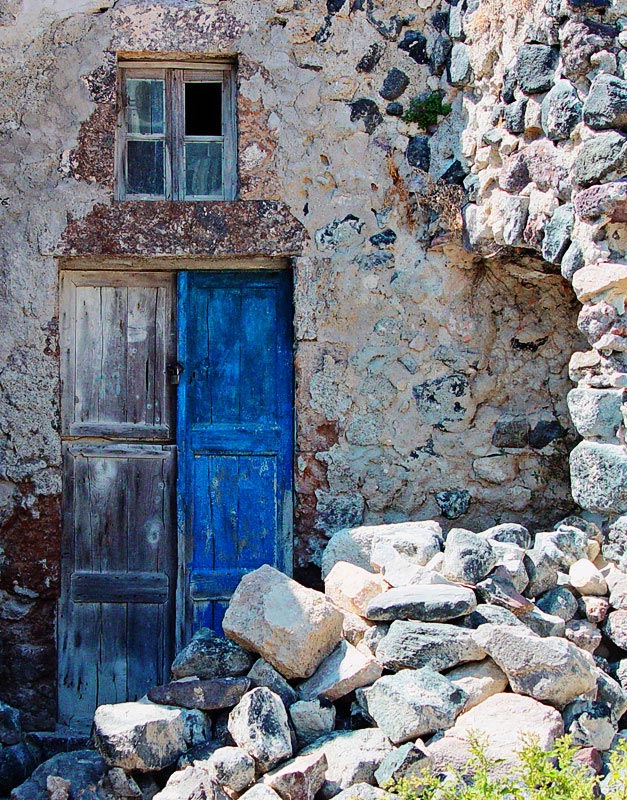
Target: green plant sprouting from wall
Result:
[[425, 110]]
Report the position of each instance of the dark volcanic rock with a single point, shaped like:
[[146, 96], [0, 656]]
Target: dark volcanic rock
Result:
[[606, 103], [206, 695], [370, 59], [414, 44], [514, 116], [561, 111], [211, 656], [83, 769], [418, 153], [600, 156], [436, 603], [366, 111], [395, 83], [535, 67], [557, 233]]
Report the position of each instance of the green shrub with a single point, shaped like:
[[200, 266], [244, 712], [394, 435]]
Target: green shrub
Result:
[[425, 110], [540, 775]]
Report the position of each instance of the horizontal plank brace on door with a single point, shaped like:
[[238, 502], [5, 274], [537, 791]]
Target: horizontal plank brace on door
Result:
[[119, 587], [165, 264]]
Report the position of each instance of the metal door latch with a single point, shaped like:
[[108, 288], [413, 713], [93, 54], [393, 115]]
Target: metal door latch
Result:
[[174, 373]]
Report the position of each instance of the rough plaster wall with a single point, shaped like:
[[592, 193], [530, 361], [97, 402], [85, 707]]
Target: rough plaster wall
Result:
[[427, 379]]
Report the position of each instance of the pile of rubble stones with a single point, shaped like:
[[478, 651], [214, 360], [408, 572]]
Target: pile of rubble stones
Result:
[[417, 641]]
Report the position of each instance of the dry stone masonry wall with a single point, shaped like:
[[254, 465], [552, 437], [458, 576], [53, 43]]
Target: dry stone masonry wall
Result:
[[431, 346]]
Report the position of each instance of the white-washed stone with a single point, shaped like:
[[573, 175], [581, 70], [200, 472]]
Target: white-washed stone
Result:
[[351, 588], [260, 792], [503, 720], [145, 736], [512, 559], [355, 627], [340, 673], [363, 791], [292, 627], [412, 703], [411, 645], [418, 542], [432, 603], [479, 680], [312, 719], [231, 767], [352, 757], [300, 778], [258, 724], [586, 578], [596, 609], [616, 628], [550, 669]]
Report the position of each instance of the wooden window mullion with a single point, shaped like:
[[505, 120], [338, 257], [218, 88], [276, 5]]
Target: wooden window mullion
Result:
[[229, 134], [177, 132]]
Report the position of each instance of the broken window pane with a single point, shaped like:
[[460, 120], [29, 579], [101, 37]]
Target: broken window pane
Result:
[[144, 111], [203, 109], [145, 168], [203, 168]]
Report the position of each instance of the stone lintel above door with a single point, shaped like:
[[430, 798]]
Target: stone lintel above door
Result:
[[254, 230]]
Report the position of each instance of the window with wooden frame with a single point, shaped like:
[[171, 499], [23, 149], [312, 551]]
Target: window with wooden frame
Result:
[[176, 132]]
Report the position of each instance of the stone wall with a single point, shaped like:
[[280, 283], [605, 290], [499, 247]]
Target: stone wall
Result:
[[431, 356]]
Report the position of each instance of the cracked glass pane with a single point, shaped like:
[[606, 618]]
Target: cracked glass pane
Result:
[[144, 111], [203, 169], [145, 168]]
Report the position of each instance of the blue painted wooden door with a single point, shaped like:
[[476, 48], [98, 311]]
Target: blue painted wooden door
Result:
[[235, 434]]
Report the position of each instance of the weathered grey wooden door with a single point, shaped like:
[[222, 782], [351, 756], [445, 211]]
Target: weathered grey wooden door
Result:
[[116, 614]]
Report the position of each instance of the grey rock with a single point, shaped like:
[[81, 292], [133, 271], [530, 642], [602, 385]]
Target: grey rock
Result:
[[413, 645], [440, 53], [514, 116], [565, 545], [467, 557], [584, 634], [10, 725], [509, 532], [590, 723], [260, 792], [580, 39], [264, 674], [572, 260], [312, 719], [605, 203], [123, 785], [434, 603], [542, 569], [552, 670], [232, 767], [615, 547], [209, 695], [599, 477], [200, 752], [395, 83], [479, 680], [542, 623], [612, 692], [596, 413], [510, 563], [606, 103], [535, 67], [82, 768], [364, 791], [370, 59], [557, 233], [16, 764], [412, 703], [258, 724], [352, 757], [512, 432], [191, 783], [616, 628], [373, 636], [405, 761], [561, 111], [459, 68], [394, 109], [599, 157], [416, 541], [340, 673], [455, 21], [559, 602], [299, 779], [515, 212], [211, 656], [489, 614], [144, 736], [418, 153], [499, 589]]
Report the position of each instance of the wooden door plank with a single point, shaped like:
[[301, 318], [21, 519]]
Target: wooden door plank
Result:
[[114, 320], [224, 497], [224, 313], [88, 354], [119, 587], [141, 355], [259, 366]]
